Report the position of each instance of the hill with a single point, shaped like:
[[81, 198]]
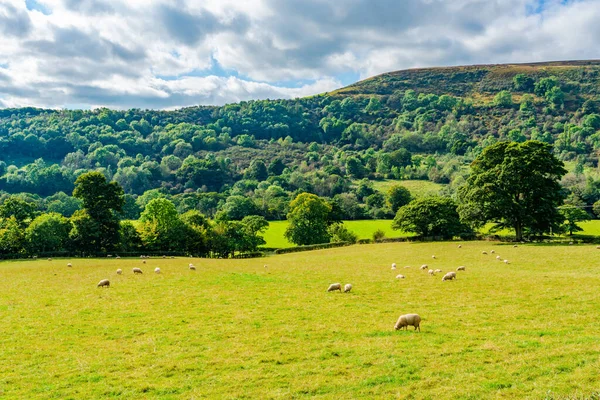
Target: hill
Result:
[[420, 124]]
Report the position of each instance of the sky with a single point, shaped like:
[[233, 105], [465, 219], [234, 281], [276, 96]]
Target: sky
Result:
[[166, 54]]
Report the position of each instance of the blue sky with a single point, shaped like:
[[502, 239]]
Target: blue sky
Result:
[[165, 54]]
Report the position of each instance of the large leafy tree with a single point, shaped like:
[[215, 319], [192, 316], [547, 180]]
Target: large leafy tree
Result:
[[101, 201], [48, 232], [309, 219], [430, 216], [514, 185], [572, 216]]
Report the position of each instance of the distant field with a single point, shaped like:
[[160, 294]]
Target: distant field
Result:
[[417, 188], [364, 229], [233, 329]]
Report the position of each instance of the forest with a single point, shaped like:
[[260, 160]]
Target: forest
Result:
[[255, 157]]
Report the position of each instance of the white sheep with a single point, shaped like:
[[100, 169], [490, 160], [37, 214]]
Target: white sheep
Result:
[[335, 286], [104, 283], [408, 319], [492, 251], [498, 257], [49, 259], [506, 262], [143, 261], [164, 256], [408, 266], [137, 271], [484, 252], [433, 257], [400, 276], [119, 271], [424, 266], [157, 270], [459, 246], [461, 268], [347, 287], [393, 265], [118, 257], [69, 265], [437, 271], [192, 267], [431, 272], [449, 276], [515, 246]]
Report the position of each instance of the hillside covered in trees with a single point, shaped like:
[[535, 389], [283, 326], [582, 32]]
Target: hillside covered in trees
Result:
[[254, 157]]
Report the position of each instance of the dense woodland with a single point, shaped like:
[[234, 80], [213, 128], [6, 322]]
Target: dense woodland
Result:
[[254, 158]]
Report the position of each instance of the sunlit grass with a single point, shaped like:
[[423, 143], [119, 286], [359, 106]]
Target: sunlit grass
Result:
[[235, 329]]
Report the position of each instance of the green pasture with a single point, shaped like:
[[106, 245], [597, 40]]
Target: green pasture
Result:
[[234, 329], [417, 188]]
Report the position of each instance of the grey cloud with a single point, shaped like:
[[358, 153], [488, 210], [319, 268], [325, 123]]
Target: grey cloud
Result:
[[72, 42], [14, 22]]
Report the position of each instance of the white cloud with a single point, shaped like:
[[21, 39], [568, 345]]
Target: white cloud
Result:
[[170, 53]]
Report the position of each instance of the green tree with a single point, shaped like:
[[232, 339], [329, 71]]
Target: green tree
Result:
[[101, 201], [430, 216], [504, 99], [397, 196], [257, 170], [12, 236], [309, 220], [572, 215], [339, 233], [48, 232], [523, 83], [161, 227], [514, 185], [131, 241], [23, 211]]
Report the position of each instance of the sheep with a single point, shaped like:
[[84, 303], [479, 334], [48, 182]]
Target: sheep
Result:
[[597, 248], [438, 271], [484, 252], [506, 262], [498, 257], [570, 243], [515, 246], [449, 276], [143, 261], [69, 265], [424, 266], [433, 257], [459, 246], [118, 257], [172, 257], [393, 265], [408, 319], [334, 287], [104, 283], [119, 271], [157, 270], [192, 267], [431, 272], [347, 287], [400, 276], [408, 266], [49, 259], [137, 271], [492, 251], [461, 268]]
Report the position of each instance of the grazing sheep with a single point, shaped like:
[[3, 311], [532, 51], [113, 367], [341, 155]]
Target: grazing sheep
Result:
[[104, 283], [449, 276], [143, 261], [393, 265], [192, 267], [119, 271], [118, 257], [172, 256], [438, 271], [347, 287], [506, 262], [484, 252], [109, 255], [515, 246], [461, 268], [597, 247], [424, 266], [400, 276], [459, 246], [431, 272], [408, 319], [69, 265], [164, 256], [570, 243], [408, 266], [433, 257], [49, 259], [157, 270], [137, 271], [142, 256], [492, 251], [335, 286], [497, 257]]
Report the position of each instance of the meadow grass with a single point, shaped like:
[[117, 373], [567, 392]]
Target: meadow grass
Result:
[[416, 187], [274, 235], [235, 329]]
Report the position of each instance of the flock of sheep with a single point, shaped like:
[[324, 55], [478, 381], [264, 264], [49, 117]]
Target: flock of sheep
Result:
[[414, 319]]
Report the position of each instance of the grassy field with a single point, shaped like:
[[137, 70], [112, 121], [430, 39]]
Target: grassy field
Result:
[[233, 329], [417, 188]]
